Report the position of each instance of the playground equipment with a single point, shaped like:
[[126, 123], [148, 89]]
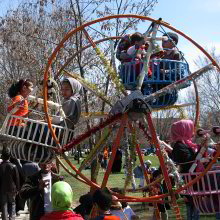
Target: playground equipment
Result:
[[122, 119]]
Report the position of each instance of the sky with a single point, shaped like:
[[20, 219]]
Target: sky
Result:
[[6, 5], [199, 19]]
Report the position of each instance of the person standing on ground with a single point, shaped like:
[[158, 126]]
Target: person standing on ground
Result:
[[184, 153], [9, 186], [37, 188], [20, 203], [29, 169], [105, 158]]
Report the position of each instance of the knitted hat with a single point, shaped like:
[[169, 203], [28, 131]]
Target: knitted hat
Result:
[[173, 36]]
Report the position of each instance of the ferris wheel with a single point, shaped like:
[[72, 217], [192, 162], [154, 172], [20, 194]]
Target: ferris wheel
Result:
[[129, 117]]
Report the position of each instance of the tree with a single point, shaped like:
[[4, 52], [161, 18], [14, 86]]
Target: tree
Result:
[[209, 92], [30, 33]]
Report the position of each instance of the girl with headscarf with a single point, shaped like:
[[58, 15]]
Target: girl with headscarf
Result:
[[62, 198], [71, 91]]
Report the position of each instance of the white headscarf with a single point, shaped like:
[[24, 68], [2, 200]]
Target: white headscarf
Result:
[[76, 86]]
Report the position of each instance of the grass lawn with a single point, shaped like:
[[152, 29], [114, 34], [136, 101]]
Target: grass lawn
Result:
[[117, 180]]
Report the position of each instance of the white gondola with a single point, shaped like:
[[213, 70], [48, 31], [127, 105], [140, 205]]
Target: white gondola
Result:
[[205, 192], [31, 128], [33, 141]]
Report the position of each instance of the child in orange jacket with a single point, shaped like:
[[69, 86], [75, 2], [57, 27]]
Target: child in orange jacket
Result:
[[18, 92]]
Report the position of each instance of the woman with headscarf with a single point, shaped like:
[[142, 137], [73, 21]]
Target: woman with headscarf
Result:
[[184, 150], [62, 198], [184, 153]]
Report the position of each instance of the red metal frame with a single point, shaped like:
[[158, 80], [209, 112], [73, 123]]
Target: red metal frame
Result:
[[149, 199]]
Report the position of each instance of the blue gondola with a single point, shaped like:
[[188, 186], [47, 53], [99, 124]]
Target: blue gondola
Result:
[[164, 72]]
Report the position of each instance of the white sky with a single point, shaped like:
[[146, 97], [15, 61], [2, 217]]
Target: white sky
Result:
[[199, 19]]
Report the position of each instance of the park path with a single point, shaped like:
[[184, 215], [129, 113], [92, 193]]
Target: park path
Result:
[[24, 214]]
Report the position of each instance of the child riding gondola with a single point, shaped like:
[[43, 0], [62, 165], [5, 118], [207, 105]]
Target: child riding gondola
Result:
[[31, 139], [165, 65]]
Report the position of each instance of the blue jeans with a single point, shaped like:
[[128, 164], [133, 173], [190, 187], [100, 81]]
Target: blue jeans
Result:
[[192, 212], [8, 206], [217, 215]]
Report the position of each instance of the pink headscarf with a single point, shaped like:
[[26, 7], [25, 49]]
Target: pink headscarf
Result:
[[183, 131]]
